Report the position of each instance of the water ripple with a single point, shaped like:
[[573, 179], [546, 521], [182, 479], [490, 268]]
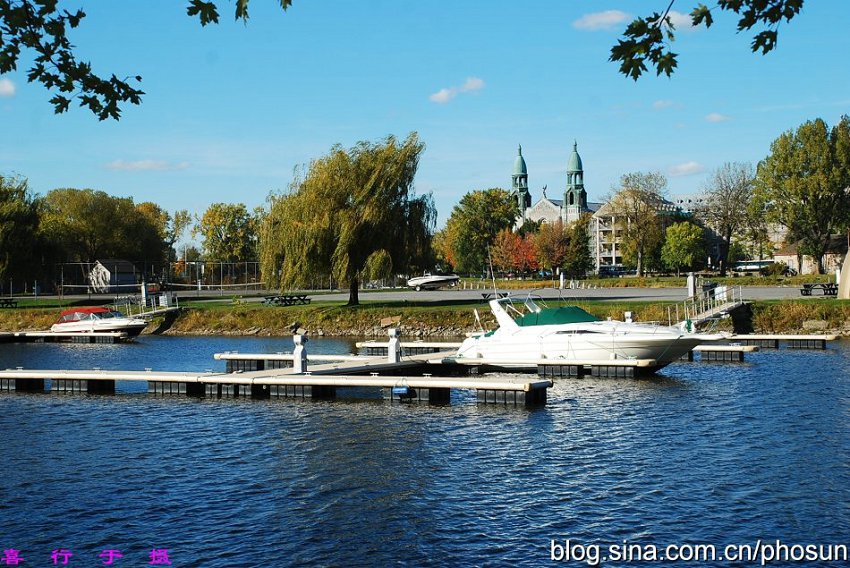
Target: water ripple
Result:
[[712, 453]]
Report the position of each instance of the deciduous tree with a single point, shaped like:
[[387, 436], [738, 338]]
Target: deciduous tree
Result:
[[474, 224], [648, 39], [228, 233], [635, 207], [353, 214], [88, 225], [726, 205], [552, 242], [19, 229], [804, 184], [40, 27], [684, 246]]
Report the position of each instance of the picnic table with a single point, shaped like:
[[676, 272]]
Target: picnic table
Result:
[[489, 295], [8, 303], [287, 300], [827, 289]]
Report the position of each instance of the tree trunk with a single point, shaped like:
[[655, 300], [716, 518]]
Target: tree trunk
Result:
[[353, 292], [725, 245]]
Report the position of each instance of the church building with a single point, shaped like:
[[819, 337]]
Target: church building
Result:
[[546, 210]]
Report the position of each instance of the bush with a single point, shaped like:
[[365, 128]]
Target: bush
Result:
[[776, 269]]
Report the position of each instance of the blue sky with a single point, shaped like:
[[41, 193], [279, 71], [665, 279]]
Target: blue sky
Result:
[[231, 109]]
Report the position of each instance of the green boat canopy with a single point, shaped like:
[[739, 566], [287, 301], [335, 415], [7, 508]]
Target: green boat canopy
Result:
[[556, 316]]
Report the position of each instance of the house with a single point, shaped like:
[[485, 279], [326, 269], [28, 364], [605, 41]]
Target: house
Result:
[[805, 264]]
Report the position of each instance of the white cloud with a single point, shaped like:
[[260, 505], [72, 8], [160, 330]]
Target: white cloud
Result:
[[662, 104], [686, 169], [682, 22], [7, 88], [606, 20], [471, 85], [443, 95], [146, 166], [717, 117]]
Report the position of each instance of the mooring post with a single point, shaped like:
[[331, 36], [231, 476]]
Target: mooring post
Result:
[[299, 362], [394, 347]]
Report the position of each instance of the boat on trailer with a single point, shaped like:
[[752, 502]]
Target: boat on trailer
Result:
[[97, 319], [569, 333], [433, 281]]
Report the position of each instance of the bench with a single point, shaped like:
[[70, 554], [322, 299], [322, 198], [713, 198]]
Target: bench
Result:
[[826, 289], [287, 300], [8, 303]]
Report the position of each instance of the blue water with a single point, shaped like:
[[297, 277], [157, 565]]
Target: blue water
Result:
[[707, 453]]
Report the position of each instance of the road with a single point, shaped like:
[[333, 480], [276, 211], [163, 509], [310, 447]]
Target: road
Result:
[[603, 294], [451, 294]]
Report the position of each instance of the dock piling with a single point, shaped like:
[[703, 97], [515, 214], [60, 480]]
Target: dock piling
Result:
[[300, 353]]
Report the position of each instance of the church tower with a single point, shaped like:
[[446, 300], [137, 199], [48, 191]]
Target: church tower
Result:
[[575, 197], [519, 186]]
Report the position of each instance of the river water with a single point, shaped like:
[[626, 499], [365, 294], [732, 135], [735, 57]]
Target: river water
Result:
[[712, 453]]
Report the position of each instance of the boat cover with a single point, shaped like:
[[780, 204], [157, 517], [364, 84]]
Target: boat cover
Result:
[[556, 316]]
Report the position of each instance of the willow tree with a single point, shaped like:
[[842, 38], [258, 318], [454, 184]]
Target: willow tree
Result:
[[352, 215]]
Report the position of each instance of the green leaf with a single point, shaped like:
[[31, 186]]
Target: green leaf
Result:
[[206, 11], [60, 104], [702, 15]]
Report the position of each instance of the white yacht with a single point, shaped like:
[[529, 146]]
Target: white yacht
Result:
[[571, 334]]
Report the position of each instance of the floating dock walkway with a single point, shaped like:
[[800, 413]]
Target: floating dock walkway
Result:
[[792, 341], [435, 390], [268, 375], [63, 337]]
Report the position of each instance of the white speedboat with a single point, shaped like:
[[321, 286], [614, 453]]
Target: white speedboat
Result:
[[433, 281], [571, 334], [97, 319]]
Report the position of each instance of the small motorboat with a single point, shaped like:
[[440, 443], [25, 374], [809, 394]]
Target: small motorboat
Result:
[[97, 319], [433, 281]]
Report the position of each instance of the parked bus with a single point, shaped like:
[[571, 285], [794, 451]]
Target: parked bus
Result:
[[750, 265]]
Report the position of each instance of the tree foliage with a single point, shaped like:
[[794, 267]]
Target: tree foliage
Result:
[[804, 184], [514, 251], [684, 246], [229, 233], [552, 242], [578, 260], [726, 205], [473, 225], [648, 39], [41, 27], [87, 225], [353, 214], [19, 229], [635, 207]]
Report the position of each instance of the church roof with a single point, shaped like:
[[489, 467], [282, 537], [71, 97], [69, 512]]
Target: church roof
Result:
[[519, 163], [574, 164]]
